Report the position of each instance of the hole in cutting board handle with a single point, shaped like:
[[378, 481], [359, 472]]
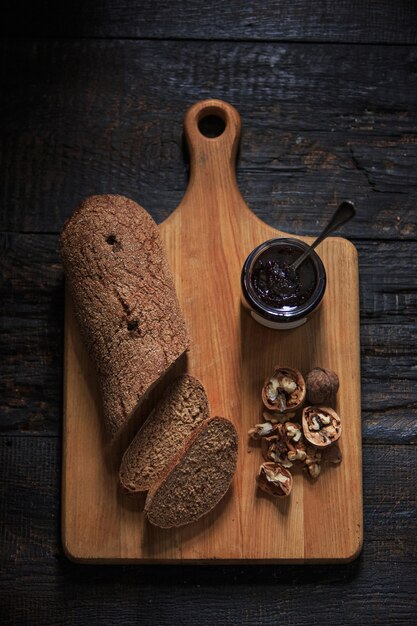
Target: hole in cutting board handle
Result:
[[211, 124]]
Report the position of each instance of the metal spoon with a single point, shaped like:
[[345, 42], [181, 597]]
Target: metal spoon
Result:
[[344, 212]]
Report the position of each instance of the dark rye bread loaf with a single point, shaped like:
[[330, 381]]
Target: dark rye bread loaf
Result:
[[124, 299], [181, 409], [198, 477]]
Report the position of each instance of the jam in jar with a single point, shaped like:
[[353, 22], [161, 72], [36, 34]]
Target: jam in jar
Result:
[[277, 295]]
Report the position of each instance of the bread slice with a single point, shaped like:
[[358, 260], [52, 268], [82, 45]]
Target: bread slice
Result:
[[181, 409], [198, 477], [125, 300]]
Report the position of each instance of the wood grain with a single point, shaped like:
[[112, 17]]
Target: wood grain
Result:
[[32, 558], [31, 341], [286, 20], [207, 239], [86, 117]]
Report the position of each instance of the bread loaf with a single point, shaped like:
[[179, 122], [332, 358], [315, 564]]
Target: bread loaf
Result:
[[197, 478], [182, 408], [124, 298]]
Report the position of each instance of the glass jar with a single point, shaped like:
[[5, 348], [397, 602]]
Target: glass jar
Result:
[[277, 296]]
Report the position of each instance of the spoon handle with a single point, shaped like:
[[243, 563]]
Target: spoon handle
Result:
[[344, 212]]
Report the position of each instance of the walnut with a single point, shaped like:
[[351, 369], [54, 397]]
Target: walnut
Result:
[[312, 461], [275, 480], [261, 430], [314, 470], [274, 447], [293, 431], [284, 391], [285, 442], [297, 455], [321, 426], [322, 385]]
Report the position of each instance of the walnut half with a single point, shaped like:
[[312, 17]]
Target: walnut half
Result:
[[284, 391], [321, 426], [275, 480]]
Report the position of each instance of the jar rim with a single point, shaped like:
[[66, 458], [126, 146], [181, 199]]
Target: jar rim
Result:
[[283, 314]]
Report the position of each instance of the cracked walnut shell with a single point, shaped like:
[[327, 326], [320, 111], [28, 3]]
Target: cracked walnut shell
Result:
[[275, 480], [284, 391], [321, 426]]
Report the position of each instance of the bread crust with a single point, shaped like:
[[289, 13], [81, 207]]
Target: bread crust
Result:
[[124, 299], [225, 476]]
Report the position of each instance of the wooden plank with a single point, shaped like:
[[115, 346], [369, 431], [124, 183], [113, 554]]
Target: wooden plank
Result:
[[29, 465], [207, 240], [31, 341], [37, 578], [287, 20], [32, 280], [315, 129], [38, 584]]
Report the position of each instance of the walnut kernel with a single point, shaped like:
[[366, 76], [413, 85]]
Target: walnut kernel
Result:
[[261, 430]]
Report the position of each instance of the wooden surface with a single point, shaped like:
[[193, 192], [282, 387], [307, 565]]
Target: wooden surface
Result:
[[329, 110], [383, 21], [207, 239]]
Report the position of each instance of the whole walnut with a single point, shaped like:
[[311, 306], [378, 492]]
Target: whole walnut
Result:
[[322, 385]]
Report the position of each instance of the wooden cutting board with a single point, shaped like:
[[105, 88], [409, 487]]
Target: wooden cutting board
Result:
[[207, 239]]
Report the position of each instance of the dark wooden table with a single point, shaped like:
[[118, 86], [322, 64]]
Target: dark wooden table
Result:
[[93, 96]]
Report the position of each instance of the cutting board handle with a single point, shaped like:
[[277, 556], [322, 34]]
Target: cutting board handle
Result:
[[212, 157]]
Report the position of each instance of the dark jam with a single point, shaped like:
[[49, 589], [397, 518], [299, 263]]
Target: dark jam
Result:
[[276, 284]]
